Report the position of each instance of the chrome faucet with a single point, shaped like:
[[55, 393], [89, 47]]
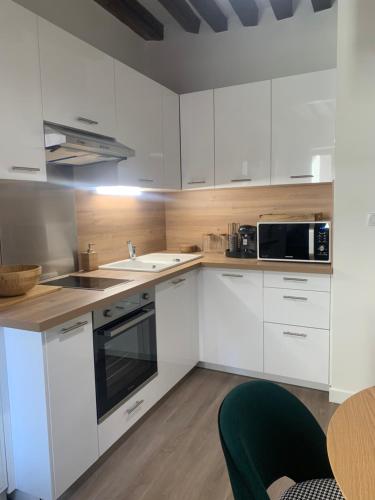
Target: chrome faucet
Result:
[[132, 252]]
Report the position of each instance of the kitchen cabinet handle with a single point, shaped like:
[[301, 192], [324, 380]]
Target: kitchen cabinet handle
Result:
[[87, 120], [307, 176], [295, 334], [241, 180], [15, 168], [296, 280], [177, 282], [197, 182], [137, 404], [292, 297], [73, 327], [145, 180], [229, 275]]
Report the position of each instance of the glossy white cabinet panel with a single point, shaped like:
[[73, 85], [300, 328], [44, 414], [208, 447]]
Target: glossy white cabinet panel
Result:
[[197, 139], [122, 419], [177, 328], [231, 318], [297, 307], [52, 403], [298, 281], [296, 352], [243, 135], [77, 82], [171, 140], [139, 102], [303, 128], [72, 400], [3, 472], [22, 154]]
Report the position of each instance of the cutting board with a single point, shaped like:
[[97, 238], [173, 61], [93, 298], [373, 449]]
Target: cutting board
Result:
[[37, 291]]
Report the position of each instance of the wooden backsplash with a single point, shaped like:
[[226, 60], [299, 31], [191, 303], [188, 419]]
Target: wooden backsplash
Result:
[[190, 214], [109, 221], [156, 221]]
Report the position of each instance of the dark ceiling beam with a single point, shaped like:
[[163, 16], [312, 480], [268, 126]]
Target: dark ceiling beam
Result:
[[247, 11], [134, 15], [282, 8], [321, 4], [183, 14], [211, 13]]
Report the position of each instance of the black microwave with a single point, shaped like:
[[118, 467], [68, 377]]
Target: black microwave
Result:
[[295, 241]]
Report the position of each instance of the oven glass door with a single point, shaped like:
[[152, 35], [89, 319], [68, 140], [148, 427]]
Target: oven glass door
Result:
[[286, 241], [125, 357]]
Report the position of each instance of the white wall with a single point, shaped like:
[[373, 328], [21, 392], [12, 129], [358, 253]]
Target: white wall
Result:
[[186, 62], [90, 22], [353, 344]]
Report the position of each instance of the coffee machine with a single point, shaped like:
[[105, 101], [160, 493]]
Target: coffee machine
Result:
[[242, 241], [248, 241]]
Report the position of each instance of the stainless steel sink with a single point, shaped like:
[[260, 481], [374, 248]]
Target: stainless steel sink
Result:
[[152, 262]]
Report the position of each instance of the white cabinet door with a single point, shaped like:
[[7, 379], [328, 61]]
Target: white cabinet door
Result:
[[77, 82], [139, 102], [243, 135], [21, 127], [296, 352], [72, 400], [197, 139], [303, 128], [231, 318], [3, 472], [171, 140], [297, 307], [177, 328]]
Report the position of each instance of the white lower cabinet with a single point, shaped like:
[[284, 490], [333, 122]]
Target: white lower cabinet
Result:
[[118, 422], [296, 352], [52, 401], [177, 328], [231, 318], [3, 472], [297, 307]]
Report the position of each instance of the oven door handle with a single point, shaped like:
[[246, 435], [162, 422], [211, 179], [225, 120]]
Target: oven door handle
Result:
[[128, 324]]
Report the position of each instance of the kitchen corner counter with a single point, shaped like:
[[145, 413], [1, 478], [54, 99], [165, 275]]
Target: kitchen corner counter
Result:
[[41, 314]]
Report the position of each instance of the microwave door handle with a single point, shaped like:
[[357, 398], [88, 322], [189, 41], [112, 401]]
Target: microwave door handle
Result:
[[312, 241], [128, 324]]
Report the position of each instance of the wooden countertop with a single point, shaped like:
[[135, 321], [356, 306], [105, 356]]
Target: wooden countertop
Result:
[[41, 314], [351, 446]]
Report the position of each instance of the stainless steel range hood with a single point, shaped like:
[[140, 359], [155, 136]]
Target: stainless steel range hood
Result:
[[70, 146]]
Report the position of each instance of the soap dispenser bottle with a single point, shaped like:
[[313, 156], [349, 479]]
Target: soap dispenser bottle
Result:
[[89, 259]]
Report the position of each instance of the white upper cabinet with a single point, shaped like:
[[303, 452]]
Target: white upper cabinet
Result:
[[21, 127], [171, 140], [77, 82], [243, 135], [303, 128], [139, 102], [197, 139]]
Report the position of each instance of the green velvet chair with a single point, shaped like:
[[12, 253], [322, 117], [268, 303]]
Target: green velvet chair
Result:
[[267, 433]]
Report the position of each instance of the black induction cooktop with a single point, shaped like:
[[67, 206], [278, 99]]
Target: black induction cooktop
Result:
[[86, 282]]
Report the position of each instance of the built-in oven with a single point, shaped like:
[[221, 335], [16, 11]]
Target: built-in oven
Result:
[[125, 350], [297, 241]]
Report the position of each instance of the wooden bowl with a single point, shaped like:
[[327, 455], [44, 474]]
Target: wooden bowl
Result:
[[18, 279], [188, 248]]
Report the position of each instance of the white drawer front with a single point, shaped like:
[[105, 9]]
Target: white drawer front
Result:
[[298, 281], [296, 307], [121, 420], [296, 352]]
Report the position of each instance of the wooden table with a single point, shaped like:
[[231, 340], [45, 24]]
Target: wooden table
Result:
[[351, 446]]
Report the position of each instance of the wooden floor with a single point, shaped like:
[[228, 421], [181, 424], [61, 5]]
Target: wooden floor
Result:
[[175, 453]]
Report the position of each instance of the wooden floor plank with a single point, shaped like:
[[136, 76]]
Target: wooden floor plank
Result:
[[175, 453]]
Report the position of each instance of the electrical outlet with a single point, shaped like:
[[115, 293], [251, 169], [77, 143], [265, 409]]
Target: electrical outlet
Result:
[[371, 219]]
